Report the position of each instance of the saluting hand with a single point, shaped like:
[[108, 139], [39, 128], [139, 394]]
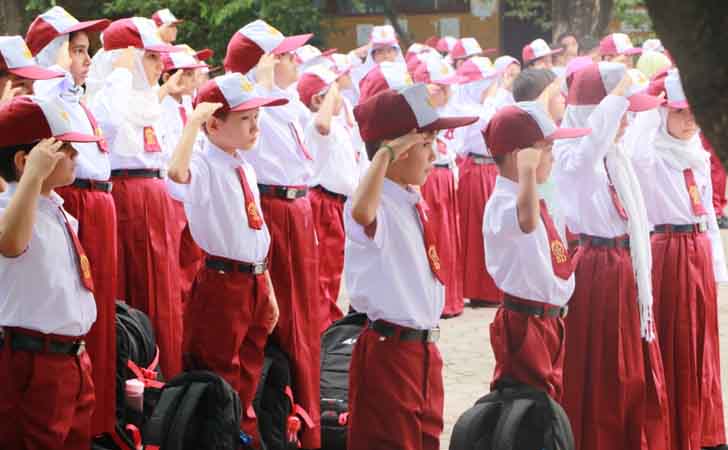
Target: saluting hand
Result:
[[265, 70], [9, 92], [403, 144], [204, 111], [174, 85], [43, 158]]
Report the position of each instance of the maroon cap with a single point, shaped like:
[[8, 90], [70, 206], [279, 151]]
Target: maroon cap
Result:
[[383, 76], [618, 44], [235, 92], [521, 125], [391, 114], [165, 17], [28, 119], [591, 84], [204, 54], [16, 58], [56, 22], [256, 39], [315, 80], [537, 49], [137, 32]]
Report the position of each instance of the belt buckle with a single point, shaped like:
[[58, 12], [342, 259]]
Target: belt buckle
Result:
[[433, 335], [162, 173], [81, 347], [291, 193], [258, 269], [564, 311], [702, 226]]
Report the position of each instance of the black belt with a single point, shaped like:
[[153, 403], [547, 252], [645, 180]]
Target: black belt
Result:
[[225, 265], [533, 308], [27, 343], [137, 173], [442, 166], [341, 197], [287, 192], [481, 159], [405, 334], [595, 241], [688, 228], [93, 185]]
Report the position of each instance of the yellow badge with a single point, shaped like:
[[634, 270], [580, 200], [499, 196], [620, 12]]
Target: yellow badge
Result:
[[408, 79], [434, 257], [253, 211], [245, 85], [273, 31], [64, 115], [559, 252], [26, 53], [444, 69], [149, 136], [98, 131], [694, 195], [85, 266]]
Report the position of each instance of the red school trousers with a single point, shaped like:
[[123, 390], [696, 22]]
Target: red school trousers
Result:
[[149, 261], [223, 332], [293, 267], [396, 394], [96, 216], [46, 400]]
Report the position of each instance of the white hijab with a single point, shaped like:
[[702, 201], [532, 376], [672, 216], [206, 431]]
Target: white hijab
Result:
[[142, 107], [629, 191], [680, 154]]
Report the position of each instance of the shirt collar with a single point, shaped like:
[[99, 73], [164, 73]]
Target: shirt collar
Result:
[[400, 194], [53, 201], [215, 153]]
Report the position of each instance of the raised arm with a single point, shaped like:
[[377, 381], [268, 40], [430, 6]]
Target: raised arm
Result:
[[529, 212], [179, 165]]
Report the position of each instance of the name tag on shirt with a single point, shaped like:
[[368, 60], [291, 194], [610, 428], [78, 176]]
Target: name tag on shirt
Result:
[[151, 143]]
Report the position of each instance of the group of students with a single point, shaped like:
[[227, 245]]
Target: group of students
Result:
[[229, 208]]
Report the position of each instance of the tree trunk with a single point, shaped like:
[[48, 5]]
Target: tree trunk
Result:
[[694, 33], [581, 17], [11, 17], [390, 12]]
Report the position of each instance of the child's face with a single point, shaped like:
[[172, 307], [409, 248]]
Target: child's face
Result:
[[153, 67], [545, 62], [168, 33], [238, 130], [681, 123], [25, 84], [416, 165], [63, 173], [380, 55], [201, 77], [286, 71], [188, 81], [80, 59]]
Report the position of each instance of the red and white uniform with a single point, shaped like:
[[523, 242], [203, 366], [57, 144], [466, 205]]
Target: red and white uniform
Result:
[[387, 368], [47, 399]]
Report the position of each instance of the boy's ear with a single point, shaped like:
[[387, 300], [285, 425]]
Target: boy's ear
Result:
[[19, 160], [165, 77]]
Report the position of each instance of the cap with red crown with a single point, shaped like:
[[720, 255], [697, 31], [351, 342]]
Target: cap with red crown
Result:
[[16, 58], [137, 32], [165, 17], [538, 49], [58, 22], [618, 44], [386, 75], [591, 84], [235, 92]]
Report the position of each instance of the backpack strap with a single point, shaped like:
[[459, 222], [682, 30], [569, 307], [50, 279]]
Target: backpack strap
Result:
[[297, 409], [155, 428], [504, 435], [147, 375], [176, 436]]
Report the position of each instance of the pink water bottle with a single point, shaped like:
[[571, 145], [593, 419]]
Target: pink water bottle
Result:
[[135, 395]]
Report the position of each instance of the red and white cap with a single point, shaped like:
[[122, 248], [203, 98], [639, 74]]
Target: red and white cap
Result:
[[383, 36], [674, 93], [394, 113], [417, 49], [477, 68], [340, 63], [519, 126], [204, 54], [235, 92], [16, 58], [446, 44], [467, 47], [436, 70], [28, 119], [501, 63], [308, 55], [58, 22], [386, 75], [315, 80], [165, 17], [618, 44], [653, 45], [537, 49], [591, 84], [137, 32], [183, 60], [254, 40]]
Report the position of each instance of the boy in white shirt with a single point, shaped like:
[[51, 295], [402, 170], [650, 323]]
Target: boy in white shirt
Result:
[[527, 255], [393, 274], [46, 302], [233, 306], [334, 180]]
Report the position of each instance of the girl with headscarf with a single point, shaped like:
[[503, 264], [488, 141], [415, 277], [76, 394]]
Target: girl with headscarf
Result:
[[687, 263], [614, 389], [126, 101]]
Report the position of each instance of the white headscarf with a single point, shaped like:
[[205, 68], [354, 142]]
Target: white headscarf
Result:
[[49, 55], [680, 154], [629, 191], [142, 108]]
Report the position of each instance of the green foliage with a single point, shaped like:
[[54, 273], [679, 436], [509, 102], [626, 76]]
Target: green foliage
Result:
[[535, 11], [208, 24], [632, 14]]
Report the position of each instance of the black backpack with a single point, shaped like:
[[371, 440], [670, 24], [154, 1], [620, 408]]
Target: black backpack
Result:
[[513, 417], [197, 410], [337, 344], [279, 417], [137, 356]]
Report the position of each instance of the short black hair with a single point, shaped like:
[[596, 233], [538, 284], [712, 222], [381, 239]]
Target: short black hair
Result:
[[564, 35], [530, 83], [8, 171], [587, 44], [372, 148]]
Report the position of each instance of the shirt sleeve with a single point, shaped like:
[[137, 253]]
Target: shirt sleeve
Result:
[[319, 145], [110, 105], [197, 191], [356, 233], [500, 219], [639, 139]]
